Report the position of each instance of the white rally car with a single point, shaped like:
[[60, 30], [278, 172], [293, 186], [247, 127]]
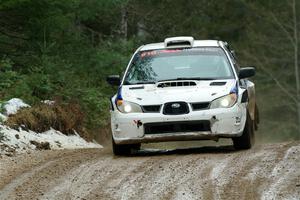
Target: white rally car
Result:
[[183, 89]]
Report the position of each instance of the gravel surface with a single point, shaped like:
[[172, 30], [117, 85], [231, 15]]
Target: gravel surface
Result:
[[269, 171]]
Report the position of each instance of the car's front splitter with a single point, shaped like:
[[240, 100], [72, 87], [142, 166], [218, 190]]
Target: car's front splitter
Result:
[[166, 137]]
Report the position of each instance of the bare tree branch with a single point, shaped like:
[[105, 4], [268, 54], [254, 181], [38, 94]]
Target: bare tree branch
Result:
[[288, 35], [277, 22], [281, 87]]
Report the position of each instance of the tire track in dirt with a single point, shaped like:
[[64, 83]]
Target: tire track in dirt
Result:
[[284, 172], [22, 187], [8, 189], [269, 171], [13, 167]]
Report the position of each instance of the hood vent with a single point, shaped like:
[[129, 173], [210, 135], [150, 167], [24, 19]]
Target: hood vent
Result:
[[217, 83], [176, 84]]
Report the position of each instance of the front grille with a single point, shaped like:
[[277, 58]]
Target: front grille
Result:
[[151, 108], [173, 127], [176, 108], [200, 105]]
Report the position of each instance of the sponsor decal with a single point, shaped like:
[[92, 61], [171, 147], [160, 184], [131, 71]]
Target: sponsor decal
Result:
[[148, 53], [152, 53]]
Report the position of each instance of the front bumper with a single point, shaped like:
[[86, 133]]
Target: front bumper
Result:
[[224, 122]]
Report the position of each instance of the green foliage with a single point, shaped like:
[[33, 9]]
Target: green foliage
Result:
[[7, 75], [63, 50]]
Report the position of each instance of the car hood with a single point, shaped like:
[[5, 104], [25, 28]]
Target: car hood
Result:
[[151, 94]]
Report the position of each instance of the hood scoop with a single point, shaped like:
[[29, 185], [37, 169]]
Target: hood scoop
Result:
[[136, 88], [220, 83], [176, 84]]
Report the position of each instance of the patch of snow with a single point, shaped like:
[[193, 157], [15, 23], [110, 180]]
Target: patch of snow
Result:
[[3, 117], [12, 106], [20, 140], [48, 102]]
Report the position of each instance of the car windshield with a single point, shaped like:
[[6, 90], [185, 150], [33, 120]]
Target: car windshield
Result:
[[207, 63]]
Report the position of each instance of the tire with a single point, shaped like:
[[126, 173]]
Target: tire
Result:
[[246, 140], [124, 149]]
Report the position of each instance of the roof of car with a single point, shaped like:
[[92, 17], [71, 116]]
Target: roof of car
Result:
[[197, 43]]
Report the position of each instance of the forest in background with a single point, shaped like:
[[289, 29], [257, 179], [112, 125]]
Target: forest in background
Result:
[[63, 50]]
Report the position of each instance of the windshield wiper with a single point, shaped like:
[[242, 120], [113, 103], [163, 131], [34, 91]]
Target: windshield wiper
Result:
[[173, 79], [145, 82], [187, 78]]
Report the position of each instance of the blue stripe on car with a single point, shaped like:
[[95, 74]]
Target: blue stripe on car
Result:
[[119, 95], [234, 89]]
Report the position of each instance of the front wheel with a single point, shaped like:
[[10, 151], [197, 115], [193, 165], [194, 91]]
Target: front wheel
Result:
[[124, 149], [246, 140]]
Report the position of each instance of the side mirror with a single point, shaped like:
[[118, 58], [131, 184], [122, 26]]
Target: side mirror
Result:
[[113, 80], [246, 72]]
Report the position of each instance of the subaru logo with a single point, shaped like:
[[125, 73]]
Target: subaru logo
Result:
[[175, 105]]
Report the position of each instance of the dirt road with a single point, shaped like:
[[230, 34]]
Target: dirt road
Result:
[[269, 171]]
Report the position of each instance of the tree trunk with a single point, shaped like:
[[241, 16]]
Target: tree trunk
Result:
[[296, 61], [124, 21]]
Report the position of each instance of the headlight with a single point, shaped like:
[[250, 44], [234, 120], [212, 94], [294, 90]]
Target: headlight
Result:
[[224, 102], [128, 107]]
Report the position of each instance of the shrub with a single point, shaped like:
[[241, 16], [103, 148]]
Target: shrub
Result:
[[65, 118]]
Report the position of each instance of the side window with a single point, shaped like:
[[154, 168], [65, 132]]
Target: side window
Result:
[[235, 64], [233, 57]]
